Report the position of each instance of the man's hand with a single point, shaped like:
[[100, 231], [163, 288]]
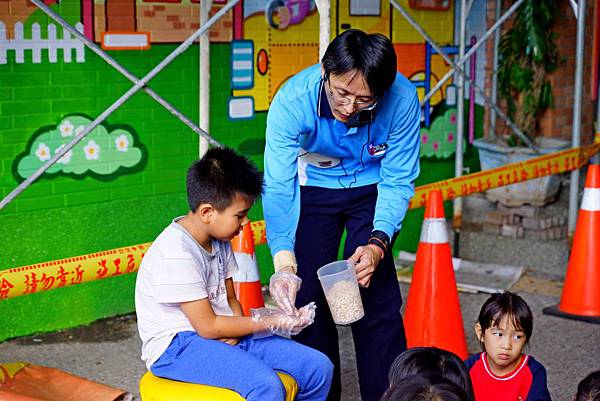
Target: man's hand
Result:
[[283, 287], [367, 258]]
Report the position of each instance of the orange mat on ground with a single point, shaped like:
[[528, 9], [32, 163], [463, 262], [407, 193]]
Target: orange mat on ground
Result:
[[26, 382]]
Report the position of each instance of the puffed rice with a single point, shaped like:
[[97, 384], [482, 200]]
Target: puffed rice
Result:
[[345, 302]]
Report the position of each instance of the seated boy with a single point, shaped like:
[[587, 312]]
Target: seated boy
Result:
[[189, 319]]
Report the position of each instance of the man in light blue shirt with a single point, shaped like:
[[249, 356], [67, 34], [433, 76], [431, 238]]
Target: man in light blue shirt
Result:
[[342, 153]]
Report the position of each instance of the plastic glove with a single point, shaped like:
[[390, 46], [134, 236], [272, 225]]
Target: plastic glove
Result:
[[307, 315], [275, 321], [283, 287]]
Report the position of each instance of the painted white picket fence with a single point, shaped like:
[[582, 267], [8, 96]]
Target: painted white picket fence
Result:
[[36, 44]]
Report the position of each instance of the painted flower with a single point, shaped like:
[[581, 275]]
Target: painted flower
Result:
[[122, 143], [66, 129], [43, 152], [424, 138], [66, 157], [436, 146], [453, 118], [450, 137], [91, 150]]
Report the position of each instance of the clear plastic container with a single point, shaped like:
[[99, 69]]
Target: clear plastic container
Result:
[[340, 286]]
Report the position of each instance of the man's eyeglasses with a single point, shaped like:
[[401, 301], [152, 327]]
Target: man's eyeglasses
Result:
[[344, 100]]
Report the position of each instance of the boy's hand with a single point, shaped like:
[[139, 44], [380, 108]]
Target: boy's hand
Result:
[[277, 322], [283, 287], [230, 341], [307, 317]]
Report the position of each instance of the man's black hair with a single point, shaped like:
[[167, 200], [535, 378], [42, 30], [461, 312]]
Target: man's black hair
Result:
[[219, 176], [372, 55], [589, 388], [508, 304]]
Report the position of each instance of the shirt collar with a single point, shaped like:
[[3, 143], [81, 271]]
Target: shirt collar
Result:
[[324, 108]]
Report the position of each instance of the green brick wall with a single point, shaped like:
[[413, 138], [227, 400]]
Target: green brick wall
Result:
[[61, 217]]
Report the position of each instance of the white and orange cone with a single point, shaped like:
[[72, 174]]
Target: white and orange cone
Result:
[[246, 280], [581, 291], [432, 317]]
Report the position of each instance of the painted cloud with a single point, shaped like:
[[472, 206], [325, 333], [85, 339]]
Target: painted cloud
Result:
[[100, 152]]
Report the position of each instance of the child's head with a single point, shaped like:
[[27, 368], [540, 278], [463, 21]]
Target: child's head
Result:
[[221, 188], [431, 361], [504, 327], [589, 388], [426, 388]]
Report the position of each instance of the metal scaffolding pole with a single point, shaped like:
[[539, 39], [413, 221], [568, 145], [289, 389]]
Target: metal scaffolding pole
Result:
[[474, 48], [494, 96], [113, 63], [456, 67], [204, 78], [118, 103], [460, 124], [576, 127], [324, 7]]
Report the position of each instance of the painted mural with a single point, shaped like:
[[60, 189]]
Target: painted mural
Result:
[[270, 40], [102, 153], [124, 180]]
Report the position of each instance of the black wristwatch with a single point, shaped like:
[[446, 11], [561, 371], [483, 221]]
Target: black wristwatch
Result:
[[380, 239]]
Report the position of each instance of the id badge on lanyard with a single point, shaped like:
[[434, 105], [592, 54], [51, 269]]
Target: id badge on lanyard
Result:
[[377, 150]]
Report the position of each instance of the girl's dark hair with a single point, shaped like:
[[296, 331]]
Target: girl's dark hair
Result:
[[372, 55], [506, 304], [426, 388], [589, 388], [219, 176], [431, 361]]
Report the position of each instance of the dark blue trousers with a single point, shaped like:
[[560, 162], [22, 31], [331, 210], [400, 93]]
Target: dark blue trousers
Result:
[[379, 336]]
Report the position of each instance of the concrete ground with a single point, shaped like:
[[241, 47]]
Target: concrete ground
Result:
[[108, 351]]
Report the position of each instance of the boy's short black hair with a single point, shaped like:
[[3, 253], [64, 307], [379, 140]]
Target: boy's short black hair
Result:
[[589, 388], [219, 176], [431, 361], [372, 55], [426, 388], [508, 304]]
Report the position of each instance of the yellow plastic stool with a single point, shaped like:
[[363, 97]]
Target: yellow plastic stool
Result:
[[154, 388]]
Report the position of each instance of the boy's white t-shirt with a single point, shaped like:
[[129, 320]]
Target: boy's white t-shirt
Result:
[[177, 269]]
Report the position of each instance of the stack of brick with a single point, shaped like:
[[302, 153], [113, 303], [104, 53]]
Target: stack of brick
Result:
[[525, 222]]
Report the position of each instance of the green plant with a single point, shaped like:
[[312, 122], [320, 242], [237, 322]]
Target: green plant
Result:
[[527, 55]]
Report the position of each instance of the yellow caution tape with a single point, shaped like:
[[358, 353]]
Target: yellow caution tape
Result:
[[61, 273], [65, 272], [259, 231], [553, 163]]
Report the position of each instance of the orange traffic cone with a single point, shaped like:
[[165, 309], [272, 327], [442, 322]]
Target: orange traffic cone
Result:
[[246, 280], [432, 316], [581, 292]]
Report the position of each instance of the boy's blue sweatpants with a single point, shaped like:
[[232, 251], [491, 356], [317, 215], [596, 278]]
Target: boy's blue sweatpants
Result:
[[248, 368]]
